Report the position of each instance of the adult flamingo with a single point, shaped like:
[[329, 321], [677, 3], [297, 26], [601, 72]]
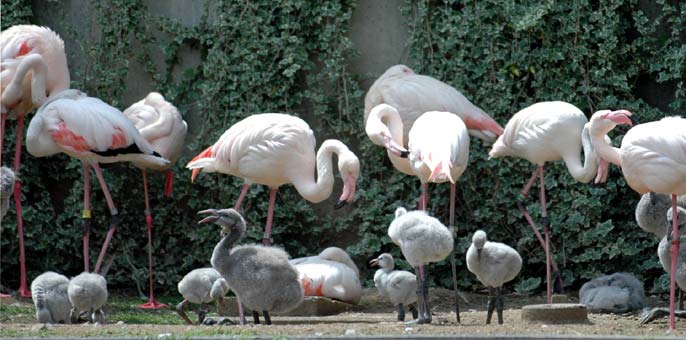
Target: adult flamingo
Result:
[[414, 94], [161, 124], [653, 158], [30, 55], [274, 149], [547, 132], [94, 132], [438, 152]]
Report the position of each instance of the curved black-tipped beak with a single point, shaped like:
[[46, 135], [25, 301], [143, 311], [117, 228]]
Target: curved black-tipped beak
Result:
[[209, 219], [374, 262], [340, 204], [404, 154]]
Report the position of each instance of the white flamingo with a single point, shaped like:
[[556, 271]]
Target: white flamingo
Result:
[[653, 158], [274, 149], [331, 273], [33, 66], [548, 132], [414, 94], [94, 132], [161, 124]]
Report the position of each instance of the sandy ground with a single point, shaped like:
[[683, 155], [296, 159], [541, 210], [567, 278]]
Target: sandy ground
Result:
[[375, 318]]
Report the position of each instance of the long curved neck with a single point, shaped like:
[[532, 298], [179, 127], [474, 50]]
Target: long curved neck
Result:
[[223, 248], [319, 190], [603, 149], [386, 118], [35, 63], [583, 173]]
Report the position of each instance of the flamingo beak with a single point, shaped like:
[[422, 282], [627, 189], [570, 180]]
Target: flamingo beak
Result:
[[194, 174], [348, 194], [374, 262], [209, 219], [622, 117], [395, 148]]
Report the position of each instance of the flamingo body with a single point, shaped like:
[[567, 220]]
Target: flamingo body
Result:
[[328, 278], [88, 129], [414, 94], [439, 147], [653, 156], [161, 124], [20, 41]]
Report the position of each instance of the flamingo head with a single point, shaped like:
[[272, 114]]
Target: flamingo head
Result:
[[349, 166], [606, 120], [379, 132], [228, 219], [384, 261]]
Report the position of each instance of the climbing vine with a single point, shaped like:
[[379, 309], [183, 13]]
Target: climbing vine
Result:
[[292, 56]]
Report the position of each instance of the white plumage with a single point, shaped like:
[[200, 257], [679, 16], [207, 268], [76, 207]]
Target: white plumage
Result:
[[494, 264], [88, 292], [332, 274], [200, 286], [50, 297], [7, 179], [398, 286]]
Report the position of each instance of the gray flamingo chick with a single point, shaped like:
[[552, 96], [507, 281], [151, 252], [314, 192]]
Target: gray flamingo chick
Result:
[[260, 276], [422, 240], [398, 286], [200, 286], [88, 292], [494, 264], [7, 179], [651, 212], [50, 297]]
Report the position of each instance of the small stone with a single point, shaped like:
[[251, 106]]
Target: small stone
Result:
[[350, 332], [164, 335], [120, 322], [408, 329], [318, 334]]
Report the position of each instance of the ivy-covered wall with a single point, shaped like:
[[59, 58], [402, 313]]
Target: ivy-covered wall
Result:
[[294, 56]]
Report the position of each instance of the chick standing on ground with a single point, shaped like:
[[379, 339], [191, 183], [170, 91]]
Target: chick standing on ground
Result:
[[88, 292], [49, 294], [200, 286], [398, 286], [493, 263]]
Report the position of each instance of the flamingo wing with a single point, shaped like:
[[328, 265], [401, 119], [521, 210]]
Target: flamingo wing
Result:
[[439, 147]]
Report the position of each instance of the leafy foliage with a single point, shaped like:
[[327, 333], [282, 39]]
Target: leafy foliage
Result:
[[291, 56]]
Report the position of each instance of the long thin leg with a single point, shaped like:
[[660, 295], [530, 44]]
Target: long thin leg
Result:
[[151, 304], [413, 309], [546, 230], [267, 319], [113, 212], [424, 197], [241, 196], [23, 290], [420, 297], [452, 253], [256, 317], [499, 304], [425, 292], [401, 312], [3, 119], [180, 310], [674, 251], [270, 217], [491, 304], [86, 216], [201, 313], [241, 314]]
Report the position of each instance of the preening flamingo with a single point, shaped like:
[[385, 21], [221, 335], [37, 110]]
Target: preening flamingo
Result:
[[653, 158], [94, 132], [547, 132], [414, 94], [438, 151], [161, 124], [274, 149], [33, 67]]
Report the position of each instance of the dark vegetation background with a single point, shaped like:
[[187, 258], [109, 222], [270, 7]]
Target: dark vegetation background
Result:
[[293, 56]]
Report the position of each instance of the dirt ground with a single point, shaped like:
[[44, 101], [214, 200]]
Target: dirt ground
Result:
[[373, 317]]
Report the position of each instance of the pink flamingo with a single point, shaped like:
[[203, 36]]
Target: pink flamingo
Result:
[[414, 94], [94, 132], [275, 149], [30, 54], [653, 158], [438, 152], [161, 124], [547, 132]]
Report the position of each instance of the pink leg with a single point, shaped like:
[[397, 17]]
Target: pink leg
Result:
[[3, 118], [452, 254], [86, 216], [113, 212], [241, 196], [151, 304], [270, 217], [674, 252], [424, 197], [546, 230], [168, 183], [23, 290]]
